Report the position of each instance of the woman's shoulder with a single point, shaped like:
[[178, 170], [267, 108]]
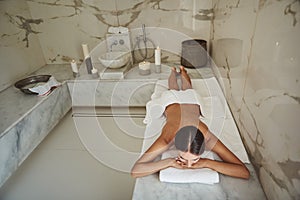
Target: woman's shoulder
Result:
[[203, 128], [169, 131]]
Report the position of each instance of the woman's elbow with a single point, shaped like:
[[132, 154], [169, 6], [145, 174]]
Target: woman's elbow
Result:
[[134, 173], [245, 174]]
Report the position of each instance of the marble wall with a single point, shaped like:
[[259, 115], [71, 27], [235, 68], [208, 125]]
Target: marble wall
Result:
[[67, 24], [20, 50], [255, 45], [35, 32]]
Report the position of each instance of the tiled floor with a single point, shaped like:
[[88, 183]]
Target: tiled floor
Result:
[[61, 168]]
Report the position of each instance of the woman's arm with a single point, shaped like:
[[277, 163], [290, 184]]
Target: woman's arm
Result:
[[230, 169], [230, 166], [146, 165]]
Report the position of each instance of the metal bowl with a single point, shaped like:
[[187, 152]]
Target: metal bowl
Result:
[[30, 82]]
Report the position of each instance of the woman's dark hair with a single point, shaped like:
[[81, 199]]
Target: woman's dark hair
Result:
[[190, 139]]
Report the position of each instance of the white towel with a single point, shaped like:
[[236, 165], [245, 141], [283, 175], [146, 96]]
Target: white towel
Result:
[[174, 175], [45, 89], [211, 107], [119, 29]]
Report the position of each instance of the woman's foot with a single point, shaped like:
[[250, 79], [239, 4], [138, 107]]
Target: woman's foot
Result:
[[185, 79], [172, 81]]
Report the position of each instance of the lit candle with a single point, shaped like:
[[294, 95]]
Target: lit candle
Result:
[[157, 56], [144, 68], [144, 65], [85, 50]]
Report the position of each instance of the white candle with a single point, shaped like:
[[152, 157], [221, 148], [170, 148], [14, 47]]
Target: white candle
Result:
[[74, 66], [95, 73], [85, 50], [157, 56], [144, 65]]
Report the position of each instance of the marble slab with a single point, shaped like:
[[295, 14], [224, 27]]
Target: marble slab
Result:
[[150, 187], [25, 120], [134, 90], [14, 104], [17, 142], [111, 93]]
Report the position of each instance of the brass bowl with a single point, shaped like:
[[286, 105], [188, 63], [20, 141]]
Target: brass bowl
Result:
[[30, 82]]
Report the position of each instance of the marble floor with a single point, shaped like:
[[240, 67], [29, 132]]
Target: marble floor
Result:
[[61, 168]]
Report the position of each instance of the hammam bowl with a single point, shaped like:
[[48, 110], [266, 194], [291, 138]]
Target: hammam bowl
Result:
[[114, 59]]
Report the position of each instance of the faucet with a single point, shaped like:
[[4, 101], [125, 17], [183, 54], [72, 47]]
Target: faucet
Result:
[[114, 43]]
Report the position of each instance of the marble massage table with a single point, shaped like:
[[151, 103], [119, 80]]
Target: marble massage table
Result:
[[222, 124]]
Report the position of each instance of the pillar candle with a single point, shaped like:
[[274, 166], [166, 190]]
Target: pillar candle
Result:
[[85, 50], [157, 56], [74, 66]]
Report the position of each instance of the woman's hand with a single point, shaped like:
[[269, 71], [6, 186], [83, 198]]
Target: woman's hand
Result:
[[177, 163], [201, 163]]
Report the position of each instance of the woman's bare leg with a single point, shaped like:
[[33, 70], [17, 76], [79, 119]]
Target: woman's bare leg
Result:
[[172, 81], [185, 79]]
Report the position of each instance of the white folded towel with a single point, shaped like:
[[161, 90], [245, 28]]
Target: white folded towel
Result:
[[175, 175], [45, 89], [119, 29]]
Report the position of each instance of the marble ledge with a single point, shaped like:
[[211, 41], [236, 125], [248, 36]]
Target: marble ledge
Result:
[[132, 73], [14, 104], [17, 142], [133, 90], [25, 120]]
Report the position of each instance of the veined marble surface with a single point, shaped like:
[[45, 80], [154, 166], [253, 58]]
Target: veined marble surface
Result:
[[26, 119], [133, 90], [14, 104], [111, 92], [255, 46], [37, 32], [20, 139]]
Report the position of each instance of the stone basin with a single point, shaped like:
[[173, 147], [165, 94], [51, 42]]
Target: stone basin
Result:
[[114, 59]]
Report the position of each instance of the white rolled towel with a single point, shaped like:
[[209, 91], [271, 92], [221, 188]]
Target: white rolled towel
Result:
[[174, 175]]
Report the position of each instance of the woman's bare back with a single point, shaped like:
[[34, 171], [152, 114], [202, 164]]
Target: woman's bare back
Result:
[[180, 115]]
